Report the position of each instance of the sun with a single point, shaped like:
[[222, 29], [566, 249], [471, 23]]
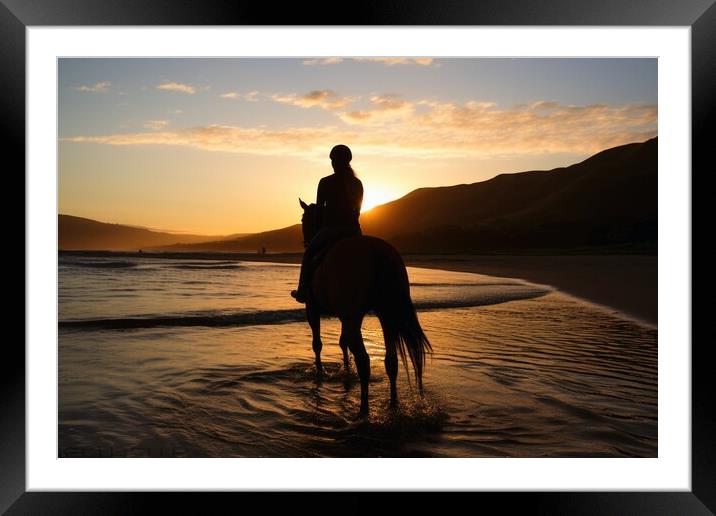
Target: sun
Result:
[[376, 196]]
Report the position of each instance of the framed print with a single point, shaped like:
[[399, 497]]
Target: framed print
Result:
[[163, 350]]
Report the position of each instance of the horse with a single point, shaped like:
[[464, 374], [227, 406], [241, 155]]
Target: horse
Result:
[[357, 275]]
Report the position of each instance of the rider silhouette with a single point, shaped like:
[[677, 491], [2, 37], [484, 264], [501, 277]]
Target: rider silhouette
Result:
[[338, 203]]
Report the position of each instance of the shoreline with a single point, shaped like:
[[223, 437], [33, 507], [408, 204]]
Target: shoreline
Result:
[[626, 283]]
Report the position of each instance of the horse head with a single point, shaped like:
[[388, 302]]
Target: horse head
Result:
[[308, 221]]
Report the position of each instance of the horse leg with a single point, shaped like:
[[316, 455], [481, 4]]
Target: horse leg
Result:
[[391, 367], [344, 347], [314, 321], [351, 330]]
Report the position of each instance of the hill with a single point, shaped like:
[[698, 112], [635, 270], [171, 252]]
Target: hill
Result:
[[609, 200], [77, 233]]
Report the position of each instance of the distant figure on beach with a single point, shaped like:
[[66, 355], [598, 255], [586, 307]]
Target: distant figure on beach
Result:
[[338, 204]]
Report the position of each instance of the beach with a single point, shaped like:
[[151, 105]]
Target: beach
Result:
[[208, 356], [627, 283]]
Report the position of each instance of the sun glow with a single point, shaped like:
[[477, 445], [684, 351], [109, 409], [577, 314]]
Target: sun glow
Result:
[[376, 196]]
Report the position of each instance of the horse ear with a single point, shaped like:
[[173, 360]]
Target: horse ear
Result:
[[303, 204]]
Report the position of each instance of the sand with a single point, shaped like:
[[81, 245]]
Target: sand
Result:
[[627, 283]]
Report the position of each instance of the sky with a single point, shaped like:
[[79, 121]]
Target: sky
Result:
[[223, 146]]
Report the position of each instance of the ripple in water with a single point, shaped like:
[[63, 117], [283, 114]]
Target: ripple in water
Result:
[[532, 377]]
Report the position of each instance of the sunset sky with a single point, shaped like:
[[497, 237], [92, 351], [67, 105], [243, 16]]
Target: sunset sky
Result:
[[221, 146]]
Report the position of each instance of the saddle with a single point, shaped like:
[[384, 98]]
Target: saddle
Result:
[[321, 254]]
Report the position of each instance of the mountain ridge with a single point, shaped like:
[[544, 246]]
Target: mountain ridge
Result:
[[608, 199]]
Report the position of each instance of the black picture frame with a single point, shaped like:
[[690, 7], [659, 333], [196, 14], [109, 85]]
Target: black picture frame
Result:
[[700, 15]]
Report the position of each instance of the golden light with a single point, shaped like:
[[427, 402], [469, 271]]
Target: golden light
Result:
[[376, 196]]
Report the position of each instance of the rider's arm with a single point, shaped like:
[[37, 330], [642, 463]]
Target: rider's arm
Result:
[[359, 197]]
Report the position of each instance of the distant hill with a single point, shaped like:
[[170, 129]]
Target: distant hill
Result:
[[77, 233], [610, 199], [285, 240]]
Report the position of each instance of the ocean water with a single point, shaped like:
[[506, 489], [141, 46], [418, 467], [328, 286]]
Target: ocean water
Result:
[[212, 358]]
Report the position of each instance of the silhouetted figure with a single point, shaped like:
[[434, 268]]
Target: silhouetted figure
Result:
[[338, 204], [359, 274], [356, 274], [263, 250]]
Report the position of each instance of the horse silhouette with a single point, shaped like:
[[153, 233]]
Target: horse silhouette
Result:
[[356, 275]]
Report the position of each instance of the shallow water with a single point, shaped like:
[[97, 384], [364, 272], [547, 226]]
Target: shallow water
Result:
[[216, 361]]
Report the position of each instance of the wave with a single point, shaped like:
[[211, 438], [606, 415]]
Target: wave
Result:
[[100, 265], [266, 317], [211, 320], [205, 267], [131, 265], [486, 284]]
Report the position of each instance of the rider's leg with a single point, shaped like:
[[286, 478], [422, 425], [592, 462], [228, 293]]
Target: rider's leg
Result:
[[325, 237], [315, 245]]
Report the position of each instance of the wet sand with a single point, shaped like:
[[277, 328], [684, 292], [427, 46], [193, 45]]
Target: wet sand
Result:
[[218, 363], [627, 283]]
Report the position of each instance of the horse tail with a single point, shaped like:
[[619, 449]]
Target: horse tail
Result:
[[396, 313]]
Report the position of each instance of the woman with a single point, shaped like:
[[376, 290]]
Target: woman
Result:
[[338, 202]]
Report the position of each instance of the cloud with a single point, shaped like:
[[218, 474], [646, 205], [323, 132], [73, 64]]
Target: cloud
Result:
[[326, 99], [426, 129], [299, 140], [178, 87], [385, 108], [99, 87], [251, 96], [388, 61], [392, 61], [323, 61], [156, 125]]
